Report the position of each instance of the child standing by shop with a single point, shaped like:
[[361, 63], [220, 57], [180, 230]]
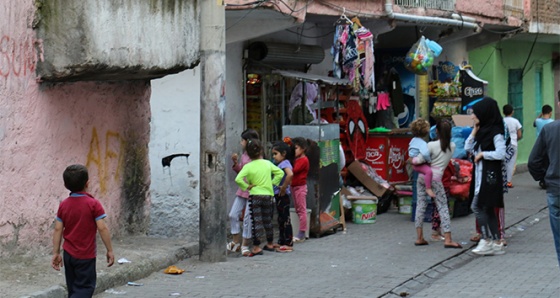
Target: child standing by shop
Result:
[[419, 153], [258, 177], [281, 152], [240, 201], [299, 185]]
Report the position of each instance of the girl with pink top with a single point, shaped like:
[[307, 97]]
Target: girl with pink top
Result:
[[240, 201], [299, 185]]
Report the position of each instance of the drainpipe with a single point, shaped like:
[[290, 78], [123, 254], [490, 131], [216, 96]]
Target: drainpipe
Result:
[[467, 22]]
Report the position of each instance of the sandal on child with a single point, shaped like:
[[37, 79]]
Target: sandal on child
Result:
[[245, 251], [284, 248], [233, 247], [268, 248]]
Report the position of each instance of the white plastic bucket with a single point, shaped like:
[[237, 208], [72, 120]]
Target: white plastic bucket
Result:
[[294, 218]]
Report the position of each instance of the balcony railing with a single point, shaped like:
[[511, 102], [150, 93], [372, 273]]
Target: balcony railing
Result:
[[428, 4]]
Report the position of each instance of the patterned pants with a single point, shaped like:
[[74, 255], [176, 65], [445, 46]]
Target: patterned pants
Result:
[[285, 234], [440, 200], [261, 208]]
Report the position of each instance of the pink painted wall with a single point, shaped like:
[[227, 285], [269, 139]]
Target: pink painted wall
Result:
[[493, 10], [44, 128]]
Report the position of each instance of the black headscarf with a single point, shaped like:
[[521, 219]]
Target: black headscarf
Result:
[[491, 123]]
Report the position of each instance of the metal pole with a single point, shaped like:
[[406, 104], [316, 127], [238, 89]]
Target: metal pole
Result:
[[213, 205]]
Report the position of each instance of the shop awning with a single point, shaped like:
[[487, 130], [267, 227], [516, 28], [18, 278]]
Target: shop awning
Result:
[[311, 77]]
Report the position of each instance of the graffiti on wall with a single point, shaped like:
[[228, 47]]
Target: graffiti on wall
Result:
[[107, 156], [18, 57]]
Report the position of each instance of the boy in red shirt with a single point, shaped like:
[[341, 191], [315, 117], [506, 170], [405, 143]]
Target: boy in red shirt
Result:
[[78, 219]]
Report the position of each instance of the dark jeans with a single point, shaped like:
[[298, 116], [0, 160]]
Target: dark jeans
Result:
[[80, 276]]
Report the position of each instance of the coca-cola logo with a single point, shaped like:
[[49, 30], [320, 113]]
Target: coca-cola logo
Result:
[[373, 155], [396, 157], [471, 91]]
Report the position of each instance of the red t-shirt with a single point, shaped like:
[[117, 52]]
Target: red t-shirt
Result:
[[301, 168], [78, 214]]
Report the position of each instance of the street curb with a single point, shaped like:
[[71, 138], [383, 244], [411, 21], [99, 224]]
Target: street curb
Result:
[[126, 272]]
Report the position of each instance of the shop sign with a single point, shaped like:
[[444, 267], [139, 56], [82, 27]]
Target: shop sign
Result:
[[472, 87]]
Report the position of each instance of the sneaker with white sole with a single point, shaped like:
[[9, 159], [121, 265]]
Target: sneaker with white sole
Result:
[[498, 249], [484, 247]]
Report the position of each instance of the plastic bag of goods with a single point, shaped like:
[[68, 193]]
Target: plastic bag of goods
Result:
[[419, 58]]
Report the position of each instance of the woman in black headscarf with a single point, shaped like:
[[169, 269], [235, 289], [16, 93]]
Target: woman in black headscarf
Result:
[[487, 145]]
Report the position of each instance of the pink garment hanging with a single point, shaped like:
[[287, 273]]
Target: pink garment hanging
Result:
[[383, 101]]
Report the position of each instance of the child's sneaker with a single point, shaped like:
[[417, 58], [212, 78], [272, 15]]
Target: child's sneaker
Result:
[[484, 247], [300, 237], [498, 249]]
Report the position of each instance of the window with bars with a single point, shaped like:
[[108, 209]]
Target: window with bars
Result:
[[538, 90], [515, 92], [429, 4]]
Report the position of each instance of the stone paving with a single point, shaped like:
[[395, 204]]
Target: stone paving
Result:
[[368, 260]]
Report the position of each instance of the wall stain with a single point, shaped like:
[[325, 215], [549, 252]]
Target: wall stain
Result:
[[135, 187]]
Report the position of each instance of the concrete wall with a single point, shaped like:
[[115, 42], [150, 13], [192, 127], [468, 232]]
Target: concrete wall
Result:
[[175, 129], [501, 57], [175, 126], [235, 110], [116, 40], [44, 128]]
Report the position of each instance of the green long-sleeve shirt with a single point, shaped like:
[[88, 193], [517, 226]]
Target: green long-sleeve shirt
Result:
[[258, 173]]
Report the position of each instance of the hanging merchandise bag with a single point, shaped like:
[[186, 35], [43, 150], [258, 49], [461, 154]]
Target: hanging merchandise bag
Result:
[[419, 58]]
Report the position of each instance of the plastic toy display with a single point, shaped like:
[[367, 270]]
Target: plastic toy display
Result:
[[421, 56]]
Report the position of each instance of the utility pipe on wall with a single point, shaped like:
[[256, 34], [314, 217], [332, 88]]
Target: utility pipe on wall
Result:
[[467, 22]]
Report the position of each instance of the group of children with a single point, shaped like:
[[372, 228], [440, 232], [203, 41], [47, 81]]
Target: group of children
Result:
[[262, 184]]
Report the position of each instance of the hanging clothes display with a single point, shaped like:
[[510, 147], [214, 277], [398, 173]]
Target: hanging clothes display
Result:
[[353, 55]]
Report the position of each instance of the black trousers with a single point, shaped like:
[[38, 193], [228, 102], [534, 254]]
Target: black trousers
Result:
[[81, 276]]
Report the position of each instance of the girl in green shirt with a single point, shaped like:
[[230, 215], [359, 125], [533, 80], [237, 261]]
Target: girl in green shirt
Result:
[[261, 175]]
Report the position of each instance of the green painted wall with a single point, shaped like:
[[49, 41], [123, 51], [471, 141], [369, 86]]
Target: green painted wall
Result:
[[492, 63]]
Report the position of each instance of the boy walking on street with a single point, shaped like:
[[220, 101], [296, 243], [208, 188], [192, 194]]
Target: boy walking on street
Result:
[[514, 128], [78, 219], [544, 118]]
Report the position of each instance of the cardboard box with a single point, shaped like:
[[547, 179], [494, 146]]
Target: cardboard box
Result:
[[375, 188], [462, 120]]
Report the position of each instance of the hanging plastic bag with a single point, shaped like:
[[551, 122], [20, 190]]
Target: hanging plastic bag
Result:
[[419, 58]]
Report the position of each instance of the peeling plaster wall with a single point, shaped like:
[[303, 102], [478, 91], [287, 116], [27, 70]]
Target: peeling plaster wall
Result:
[[44, 128], [113, 40], [175, 126]]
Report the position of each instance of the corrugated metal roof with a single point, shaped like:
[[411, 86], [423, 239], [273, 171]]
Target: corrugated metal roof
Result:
[[311, 77]]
